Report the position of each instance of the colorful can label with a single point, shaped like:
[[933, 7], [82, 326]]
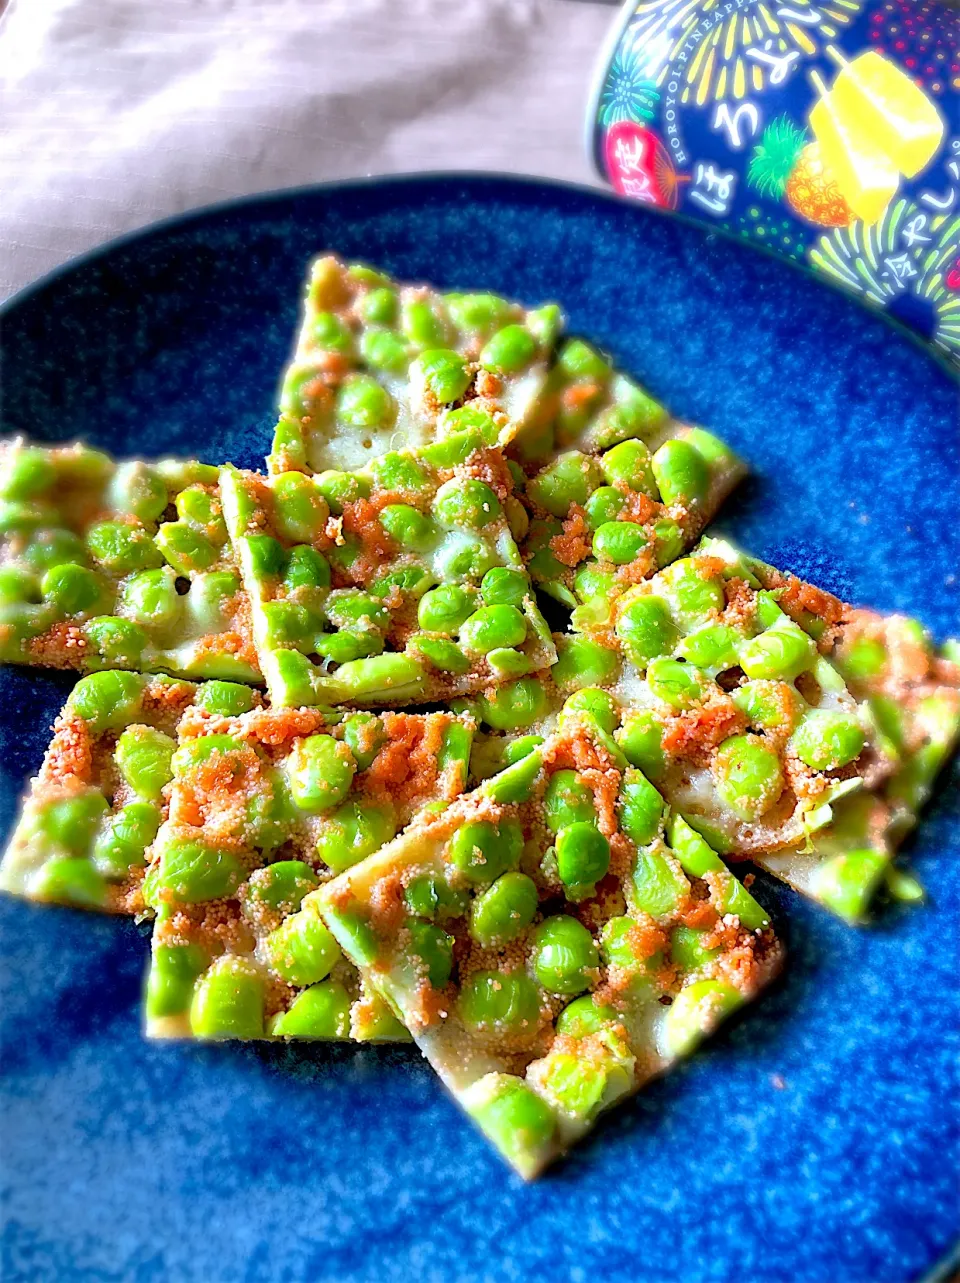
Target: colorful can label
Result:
[[827, 131]]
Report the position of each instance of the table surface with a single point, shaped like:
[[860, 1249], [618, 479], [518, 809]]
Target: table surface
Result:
[[121, 112]]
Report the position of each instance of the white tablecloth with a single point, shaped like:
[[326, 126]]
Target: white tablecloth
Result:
[[120, 112]]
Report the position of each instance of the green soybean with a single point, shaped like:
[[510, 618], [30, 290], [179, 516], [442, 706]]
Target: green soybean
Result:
[[640, 806], [676, 683], [491, 627], [828, 740], [583, 662], [568, 800], [619, 541], [504, 911], [499, 1002], [782, 652], [598, 704], [71, 589], [583, 856], [228, 1001], [107, 701], [144, 757], [362, 402], [629, 464], [641, 739], [748, 775], [355, 830], [509, 350], [443, 373], [194, 872], [122, 842], [321, 772], [302, 950], [564, 956], [321, 1011], [433, 949], [681, 473], [645, 628], [482, 851], [279, 888]]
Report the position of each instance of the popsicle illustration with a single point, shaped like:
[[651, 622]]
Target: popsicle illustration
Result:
[[865, 175], [892, 110]]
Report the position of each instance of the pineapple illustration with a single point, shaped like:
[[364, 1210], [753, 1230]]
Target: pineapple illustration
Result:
[[785, 164]]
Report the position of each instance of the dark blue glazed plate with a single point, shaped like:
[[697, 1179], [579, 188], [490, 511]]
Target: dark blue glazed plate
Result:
[[818, 1137]]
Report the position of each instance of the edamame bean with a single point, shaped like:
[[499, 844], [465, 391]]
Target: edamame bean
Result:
[[645, 628], [681, 473], [71, 589], [224, 699], [410, 528], [846, 883], [668, 541], [443, 373], [440, 653], [27, 471], [321, 1011], [123, 841], [185, 548], [466, 502], [278, 888], [568, 800], [194, 872], [604, 506], [568, 480], [492, 627], [515, 705], [578, 360], [688, 948], [641, 808], [658, 885], [504, 911], [300, 511], [70, 880], [694, 597], [499, 1002], [433, 948], [301, 950], [584, 1016], [70, 822], [321, 773], [477, 312], [362, 402], [445, 609], [365, 736], [641, 739], [116, 641], [144, 757], [266, 556], [399, 473], [509, 350], [597, 704], [341, 488], [379, 306], [676, 683], [782, 652], [748, 775], [428, 895], [628, 464], [383, 350], [712, 648], [121, 548], [481, 851], [696, 1010], [48, 548], [583, 662], [107, 701], [355, 830], [228, 1000], [173, 970], [151, 598], [136, 489], [619, 541], [564, 956], [583, 856], [590, 581], [827, 740], [421, 324], [518, 1122], [330, 333], [503, 587]]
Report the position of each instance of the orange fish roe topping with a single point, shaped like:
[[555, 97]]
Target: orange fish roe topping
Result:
[[386, 902], [406, 766], [70, 754], [694, 733], [59, 647], [361, 519], [490, 466], [575, 543]]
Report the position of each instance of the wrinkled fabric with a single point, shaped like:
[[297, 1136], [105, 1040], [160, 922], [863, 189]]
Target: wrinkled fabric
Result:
[[120, 112]]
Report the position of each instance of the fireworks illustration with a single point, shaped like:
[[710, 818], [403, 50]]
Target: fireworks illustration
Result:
[[628, 93], [923, 36], [768, 231], [869, 259], [733, 54], [937, 275]]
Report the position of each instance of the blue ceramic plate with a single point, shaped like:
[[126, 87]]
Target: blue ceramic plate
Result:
[[817, 1138]]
